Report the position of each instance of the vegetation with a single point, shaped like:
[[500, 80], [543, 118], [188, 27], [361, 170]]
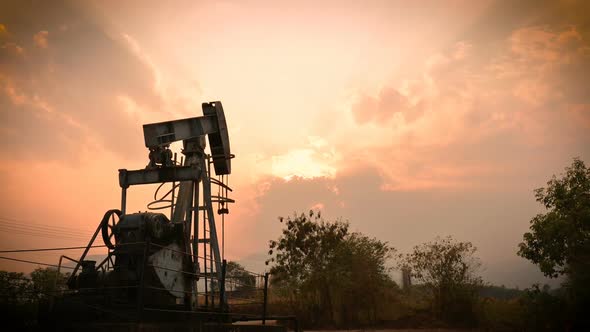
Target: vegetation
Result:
[[15, 287], [447, 268], [46, 282], [237, 278], [20, 295], [543, 311], [559, 240], [329, 275]]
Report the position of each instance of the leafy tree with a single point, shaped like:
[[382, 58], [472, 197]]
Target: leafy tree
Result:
[[447, 268], [46, 282], [559, 240], [15, 288], [367, 286], [329, 273], [21, 297], [237, 278], [17, 301]]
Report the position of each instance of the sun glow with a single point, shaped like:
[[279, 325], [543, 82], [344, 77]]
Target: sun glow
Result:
[[303, 163]]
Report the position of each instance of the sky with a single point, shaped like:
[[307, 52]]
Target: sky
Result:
[[409, 120]]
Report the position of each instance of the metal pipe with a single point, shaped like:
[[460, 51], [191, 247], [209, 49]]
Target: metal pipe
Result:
[[196, 227], [222, 285], [57, 274], [123, 200], [211, 269], [172, 199], [195, 244], [205, 253], [264, 305], [214, 243], [106, 260], [189, 216]]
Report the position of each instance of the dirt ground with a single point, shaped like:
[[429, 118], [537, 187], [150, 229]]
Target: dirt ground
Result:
[[401, 330]]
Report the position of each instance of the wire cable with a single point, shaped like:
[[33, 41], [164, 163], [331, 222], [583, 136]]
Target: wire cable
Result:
[[40, 231], [40, 225], [44, 226], [48, 249], [33, 262], [38, 234]]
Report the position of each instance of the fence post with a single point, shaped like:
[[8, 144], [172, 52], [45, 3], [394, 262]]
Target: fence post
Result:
[[141, 286], [264, 305], [222, 304]]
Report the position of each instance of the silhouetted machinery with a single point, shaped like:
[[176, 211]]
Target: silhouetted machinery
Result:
[[159, 264]]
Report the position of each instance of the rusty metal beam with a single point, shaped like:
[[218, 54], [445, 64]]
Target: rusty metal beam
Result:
[[158, 175]]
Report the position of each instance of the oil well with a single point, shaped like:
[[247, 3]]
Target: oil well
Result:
[[164, 269]]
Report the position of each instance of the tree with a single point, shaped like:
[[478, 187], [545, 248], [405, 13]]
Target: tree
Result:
[[328, 273], [46, 282], [238, 279], [542, 311], [366, 284], [15, 288], [18, 303], [559, 240], [22, 297], [447, 268]]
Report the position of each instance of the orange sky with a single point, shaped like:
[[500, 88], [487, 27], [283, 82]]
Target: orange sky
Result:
[[409, 119]]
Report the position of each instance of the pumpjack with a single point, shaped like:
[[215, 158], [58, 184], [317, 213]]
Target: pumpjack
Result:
[[162, 264]]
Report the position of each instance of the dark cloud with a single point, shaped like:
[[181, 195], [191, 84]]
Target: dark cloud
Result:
[[61, 73], [503, 16]]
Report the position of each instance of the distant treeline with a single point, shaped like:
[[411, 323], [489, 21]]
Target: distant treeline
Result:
[[500, 292]]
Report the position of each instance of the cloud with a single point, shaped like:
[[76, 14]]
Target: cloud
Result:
[[40, 39], [3, 31], [11, 50], [316, 159], [451, 143], [317, 206], [479, 115], [383, 108], [547, 46], [549, 67], [78, 87], [35, 125], [300, 163]]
